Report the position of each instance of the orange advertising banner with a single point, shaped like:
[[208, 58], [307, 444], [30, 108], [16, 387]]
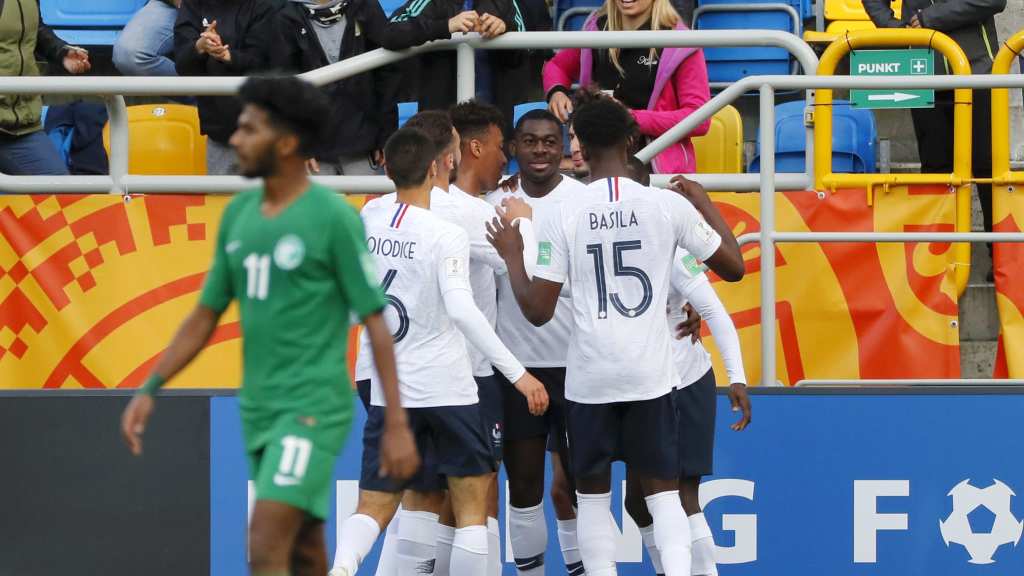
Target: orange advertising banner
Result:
[[1007, 262], [92, 288]]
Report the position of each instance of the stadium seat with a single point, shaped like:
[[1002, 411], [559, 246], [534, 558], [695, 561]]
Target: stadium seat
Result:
[[93, 23], [407, 110], [389, 6], [726, 65], [164, 139], [854, 135], [852, 9], [720, 151], [804, 7], [571, 14]]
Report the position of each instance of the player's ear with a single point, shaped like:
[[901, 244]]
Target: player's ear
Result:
[[512, 148], [476, 147], [287, 145]]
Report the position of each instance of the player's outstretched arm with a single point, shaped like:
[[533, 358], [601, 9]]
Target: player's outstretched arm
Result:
[[710, 307], [399, 458], [537, 297], [727, 261], [193, 334]]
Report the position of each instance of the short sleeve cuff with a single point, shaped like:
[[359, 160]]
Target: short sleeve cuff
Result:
[[549, 275], [712, 247]]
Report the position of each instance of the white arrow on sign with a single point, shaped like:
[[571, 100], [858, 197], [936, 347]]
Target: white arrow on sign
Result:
[[894, 97]]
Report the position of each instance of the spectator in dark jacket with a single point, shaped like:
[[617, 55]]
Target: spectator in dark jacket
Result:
[[420, 21], [24, 148], [222, 38], [313, 34], [971, 23]]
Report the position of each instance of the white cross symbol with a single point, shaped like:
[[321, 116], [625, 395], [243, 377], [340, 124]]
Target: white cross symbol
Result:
[[918, 66]]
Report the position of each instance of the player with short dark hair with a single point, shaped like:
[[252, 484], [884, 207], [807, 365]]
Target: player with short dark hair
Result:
[[423, 266], [614, 242], [537, 146], [293, 254]]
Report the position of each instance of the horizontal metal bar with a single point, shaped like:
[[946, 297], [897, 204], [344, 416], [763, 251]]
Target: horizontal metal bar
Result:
[[910, 382], [875, 237], [55, 184], [787, 181]]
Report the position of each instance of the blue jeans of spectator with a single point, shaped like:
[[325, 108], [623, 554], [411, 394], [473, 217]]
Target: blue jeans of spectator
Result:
[[30, 155], [145, 44]]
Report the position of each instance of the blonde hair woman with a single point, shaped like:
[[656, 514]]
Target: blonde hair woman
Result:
[[660, 86]]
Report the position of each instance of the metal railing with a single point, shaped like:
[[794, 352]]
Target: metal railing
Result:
[[767, 182]]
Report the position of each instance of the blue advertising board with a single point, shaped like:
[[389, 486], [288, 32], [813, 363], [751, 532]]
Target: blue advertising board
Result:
[[838, 484]]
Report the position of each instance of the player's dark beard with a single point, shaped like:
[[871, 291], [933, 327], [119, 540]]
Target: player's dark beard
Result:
[[265, 164]]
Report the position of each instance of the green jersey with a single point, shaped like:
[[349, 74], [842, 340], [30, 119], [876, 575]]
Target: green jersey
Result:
[[299, 278]]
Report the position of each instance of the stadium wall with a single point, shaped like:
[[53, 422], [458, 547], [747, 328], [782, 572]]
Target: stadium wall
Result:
[[839, 482]]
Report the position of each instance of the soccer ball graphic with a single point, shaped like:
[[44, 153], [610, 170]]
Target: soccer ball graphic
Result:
[[957, 527]]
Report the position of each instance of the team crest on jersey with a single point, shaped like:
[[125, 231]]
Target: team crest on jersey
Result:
[[289, 252]]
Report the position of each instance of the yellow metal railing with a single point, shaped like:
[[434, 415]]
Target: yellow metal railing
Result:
[[961, 179]]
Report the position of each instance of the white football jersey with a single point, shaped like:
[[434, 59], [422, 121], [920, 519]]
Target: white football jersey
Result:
[[692, 360], [546, 346], [484, 264], [615, 242], [419, 257]]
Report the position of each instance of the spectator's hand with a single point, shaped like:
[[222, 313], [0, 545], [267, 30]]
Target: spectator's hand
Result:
[[313, 166], [561, 106], [490, 26], [209, 39], [915, 21], [76, 60], [221, 53], [377, 159], [463, 22]]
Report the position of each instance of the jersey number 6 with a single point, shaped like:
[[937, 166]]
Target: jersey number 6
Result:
[[620, 269], [403, 313]]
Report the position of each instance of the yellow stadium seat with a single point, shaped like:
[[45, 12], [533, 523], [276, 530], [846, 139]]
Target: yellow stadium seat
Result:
[[720, 151], [836, 30], [163, 139], [852, 9]]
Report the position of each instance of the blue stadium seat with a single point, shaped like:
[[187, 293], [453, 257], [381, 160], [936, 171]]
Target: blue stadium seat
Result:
[[804, 7], [94, 13], [581, 10], [407, 110], [731, 64], [854, 137], [390, 6]]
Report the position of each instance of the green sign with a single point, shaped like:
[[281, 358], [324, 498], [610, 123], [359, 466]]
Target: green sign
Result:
[[915, 62]]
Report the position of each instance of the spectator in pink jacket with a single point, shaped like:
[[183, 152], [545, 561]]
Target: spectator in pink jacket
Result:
[[659, 86]]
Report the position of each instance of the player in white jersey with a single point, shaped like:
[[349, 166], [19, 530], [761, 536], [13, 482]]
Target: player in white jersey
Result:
[[537, 146], [422, 262], [615, 243]]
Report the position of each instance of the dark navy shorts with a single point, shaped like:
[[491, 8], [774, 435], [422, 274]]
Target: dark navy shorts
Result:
[[696, 405], [644, 434], [363, 388], [451, 441], [521, 425], [492, 411]]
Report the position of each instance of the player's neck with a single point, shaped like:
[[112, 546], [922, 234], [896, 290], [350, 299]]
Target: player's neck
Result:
[[608, 163], [468, 182], [418, 196], [442, 182], [280, 189], [539, 189]]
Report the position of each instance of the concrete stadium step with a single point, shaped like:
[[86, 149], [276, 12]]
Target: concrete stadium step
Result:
[[977, 359], [979, 320]]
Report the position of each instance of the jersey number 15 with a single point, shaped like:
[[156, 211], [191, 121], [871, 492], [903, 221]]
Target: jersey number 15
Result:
[[620, 269]]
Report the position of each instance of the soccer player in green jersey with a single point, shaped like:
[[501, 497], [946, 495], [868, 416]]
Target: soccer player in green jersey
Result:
[[293, 254]]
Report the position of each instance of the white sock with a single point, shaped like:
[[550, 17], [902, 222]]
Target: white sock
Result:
[[671, 532], [570, 547], [386, 566], [469, 551], [358, 534], [596, 534], [417, 543], [445, 537], [493, 547], [528, 531], [647, 533], [703, 547]]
